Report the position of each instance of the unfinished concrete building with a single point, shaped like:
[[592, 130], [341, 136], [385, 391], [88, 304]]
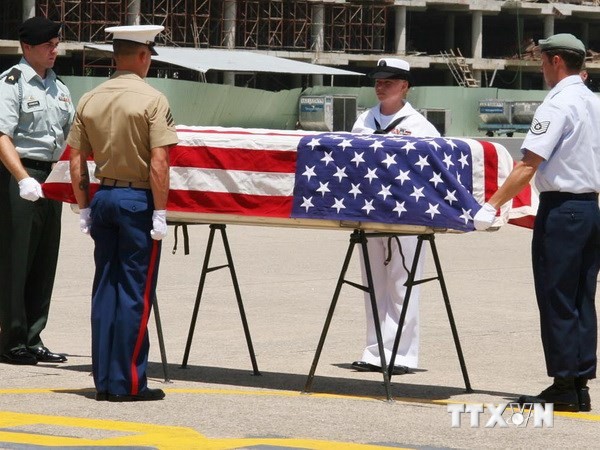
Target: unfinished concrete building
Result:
[[448, 42]]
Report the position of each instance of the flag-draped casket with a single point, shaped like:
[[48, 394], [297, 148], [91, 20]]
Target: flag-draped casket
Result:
[[334, 180]]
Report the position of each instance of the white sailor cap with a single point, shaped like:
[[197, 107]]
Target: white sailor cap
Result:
[[144, 34], [393, 68]]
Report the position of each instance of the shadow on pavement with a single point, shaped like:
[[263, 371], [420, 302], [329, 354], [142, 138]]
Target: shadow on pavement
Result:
[[360, 387]]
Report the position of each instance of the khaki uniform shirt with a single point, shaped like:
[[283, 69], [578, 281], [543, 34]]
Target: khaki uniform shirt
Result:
[[120, 121]]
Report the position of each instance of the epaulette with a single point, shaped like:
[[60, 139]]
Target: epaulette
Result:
[[13, 76]]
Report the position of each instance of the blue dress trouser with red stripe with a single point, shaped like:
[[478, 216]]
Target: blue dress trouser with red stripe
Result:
[[566, 260], [126, 260]]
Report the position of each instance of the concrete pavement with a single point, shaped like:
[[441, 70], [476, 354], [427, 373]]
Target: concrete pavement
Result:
[[287, 278]]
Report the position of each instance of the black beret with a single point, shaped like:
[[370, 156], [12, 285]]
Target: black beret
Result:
[[38, 30]]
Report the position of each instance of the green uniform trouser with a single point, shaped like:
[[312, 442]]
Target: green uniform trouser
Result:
[[29, 242]]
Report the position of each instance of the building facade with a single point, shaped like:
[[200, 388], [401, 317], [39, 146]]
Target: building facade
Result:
[[448, 42]]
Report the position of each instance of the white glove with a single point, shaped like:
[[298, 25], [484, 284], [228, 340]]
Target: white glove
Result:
[[159, 224], [85, 220], [484, 217], [30, 189]]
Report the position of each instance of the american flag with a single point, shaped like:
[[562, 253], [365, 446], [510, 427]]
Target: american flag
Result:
[[426, 182], [265, 176]]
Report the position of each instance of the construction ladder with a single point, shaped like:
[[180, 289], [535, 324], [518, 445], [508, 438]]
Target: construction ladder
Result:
[[459, 68]]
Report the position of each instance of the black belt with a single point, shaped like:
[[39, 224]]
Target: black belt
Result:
[[562, 196], [37, 165], [121, 183]]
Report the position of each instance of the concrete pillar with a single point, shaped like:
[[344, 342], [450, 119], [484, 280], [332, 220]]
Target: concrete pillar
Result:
[[477, 40], [133, 12], [229, 78], [28, 9], [400, 30], [229, 23], [318, 37], [548, 31], [317, 80], [548, 26]]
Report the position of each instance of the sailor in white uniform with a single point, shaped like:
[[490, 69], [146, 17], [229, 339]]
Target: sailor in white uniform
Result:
[[393, 115]]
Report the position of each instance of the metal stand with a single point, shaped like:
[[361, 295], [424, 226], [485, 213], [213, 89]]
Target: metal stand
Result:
[[357, 237], [205, 270], [412, 282], [360, 237], [161, 341]]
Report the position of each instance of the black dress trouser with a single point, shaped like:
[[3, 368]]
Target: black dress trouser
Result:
[[29, 243], [566, 260]]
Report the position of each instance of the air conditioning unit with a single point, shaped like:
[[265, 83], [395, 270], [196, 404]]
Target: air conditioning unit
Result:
[[523, 111], [327, 112], [495, 111], [440, 118]]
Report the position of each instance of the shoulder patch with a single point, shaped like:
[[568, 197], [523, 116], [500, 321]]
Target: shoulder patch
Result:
[[13, 76], [538, 127]]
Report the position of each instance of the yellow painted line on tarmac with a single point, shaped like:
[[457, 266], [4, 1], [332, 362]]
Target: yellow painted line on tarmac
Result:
[[273, 393], [140, 434], [207, 391]]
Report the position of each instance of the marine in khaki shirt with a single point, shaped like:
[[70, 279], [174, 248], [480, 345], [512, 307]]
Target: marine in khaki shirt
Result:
[[127, 126]]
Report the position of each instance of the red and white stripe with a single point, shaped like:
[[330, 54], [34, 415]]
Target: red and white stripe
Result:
[[225, 173]]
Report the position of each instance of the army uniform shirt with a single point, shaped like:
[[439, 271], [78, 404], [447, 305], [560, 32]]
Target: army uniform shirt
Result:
[[36, 113]]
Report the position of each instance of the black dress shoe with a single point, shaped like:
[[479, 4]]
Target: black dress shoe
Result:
[[146, 395], [42, 354], [563, 399], [583, 394], [19, 356], [585, 402], [363, 366]]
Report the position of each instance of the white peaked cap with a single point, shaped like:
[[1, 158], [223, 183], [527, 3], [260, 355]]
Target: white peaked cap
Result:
[[143, 34], [394, 62], [391, 68]]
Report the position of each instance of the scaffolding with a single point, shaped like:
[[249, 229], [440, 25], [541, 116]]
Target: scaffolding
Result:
[[349, 33], [355, 27], [83, 21], [259, 24], [275, 25]]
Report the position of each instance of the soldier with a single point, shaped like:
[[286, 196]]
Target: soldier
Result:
[[36, 113], [129, 127], [562, 148]]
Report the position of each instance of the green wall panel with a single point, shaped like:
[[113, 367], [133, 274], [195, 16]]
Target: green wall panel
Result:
[[195, 103]]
